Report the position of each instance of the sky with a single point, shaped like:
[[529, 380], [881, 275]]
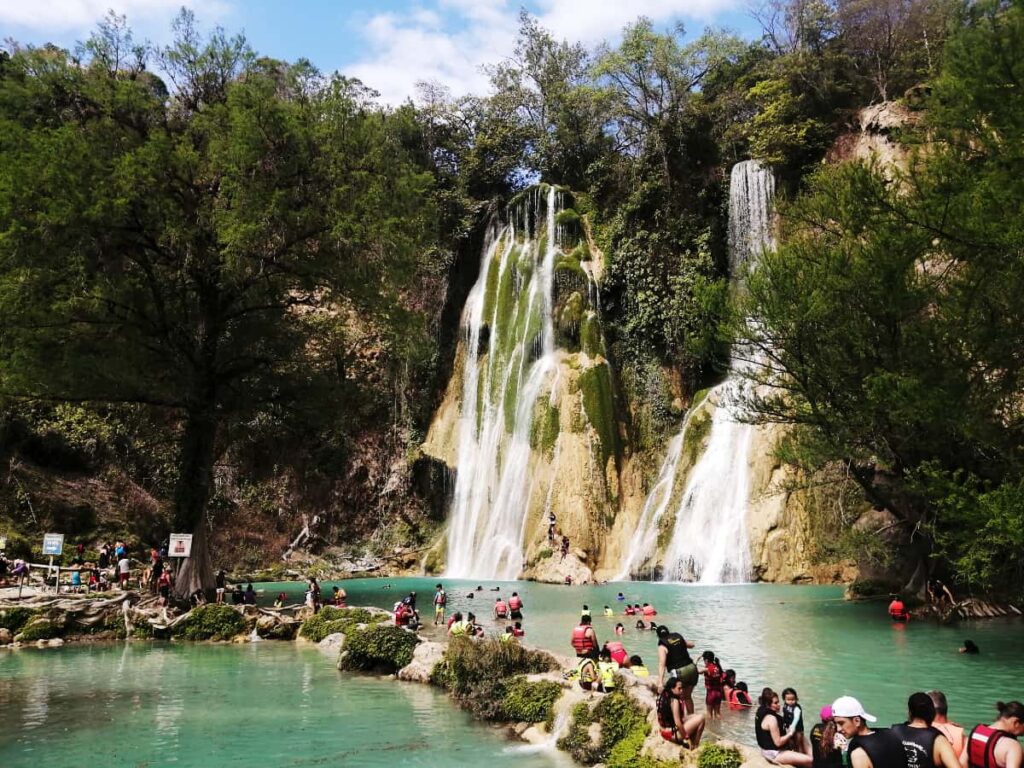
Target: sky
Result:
[[388, 44]]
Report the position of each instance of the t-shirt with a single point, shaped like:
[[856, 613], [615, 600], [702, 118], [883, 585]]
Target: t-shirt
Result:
[[124, 565], [883, 747]]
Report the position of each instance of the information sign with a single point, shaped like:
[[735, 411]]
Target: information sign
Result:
[[53, 543], [180, 545]]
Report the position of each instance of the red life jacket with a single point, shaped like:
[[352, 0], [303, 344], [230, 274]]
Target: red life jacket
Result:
[[981, 746], [581, 641], [500, 608], [649, 611], [629, 610], [517, 632], [515, 603]]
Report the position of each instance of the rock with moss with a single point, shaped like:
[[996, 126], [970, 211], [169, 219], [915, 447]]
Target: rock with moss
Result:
[[330, 620], [40, 628], [378, 647], [15, 618], [599, 406], [594, 733], [211, 622]]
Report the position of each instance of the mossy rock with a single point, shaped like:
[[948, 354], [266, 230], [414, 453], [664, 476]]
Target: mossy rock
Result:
[[570, 320], [599, 405], [697, 432], [381, 646], [40, 628], [211, 622], [591, 338], [530, 701], [715, 756], [545, 426], [15, 618], [620, 718], [330, 620]]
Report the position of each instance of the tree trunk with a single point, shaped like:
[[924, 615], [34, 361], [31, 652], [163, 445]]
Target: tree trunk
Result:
[[195, 483]]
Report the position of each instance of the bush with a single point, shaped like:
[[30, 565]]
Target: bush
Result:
[[211, 622], [15, 618], [330, 620], [530, 702], [378, 646], [715, 756], [40, 629], [621, 720]]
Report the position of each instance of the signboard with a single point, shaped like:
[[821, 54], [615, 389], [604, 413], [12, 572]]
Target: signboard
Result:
[[53, 543], [180, 545]]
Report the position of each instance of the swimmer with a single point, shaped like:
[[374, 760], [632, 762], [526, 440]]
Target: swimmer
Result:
[[619, 629], [970, 648], [608, 612], [585, 611], [640, 624], [620, 597]]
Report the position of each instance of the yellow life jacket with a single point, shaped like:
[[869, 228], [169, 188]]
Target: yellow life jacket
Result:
[[640, 670], [607, 671], [586, 671], [459, 628], [608, 612], [508, 637]]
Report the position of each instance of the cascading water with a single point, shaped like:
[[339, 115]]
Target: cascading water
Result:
[[709, 541], [509, 310]]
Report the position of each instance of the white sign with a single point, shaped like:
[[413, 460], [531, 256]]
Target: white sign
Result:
[[3, 542], [180, 545], [53, 543]]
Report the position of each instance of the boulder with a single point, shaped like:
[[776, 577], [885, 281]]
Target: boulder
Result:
[[424, 658], [55, 642], [5, 636], [333, 643]]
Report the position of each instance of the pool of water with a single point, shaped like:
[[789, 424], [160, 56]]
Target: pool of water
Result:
[[205, 706], [803, 637]]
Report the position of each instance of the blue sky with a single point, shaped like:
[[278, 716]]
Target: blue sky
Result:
[[389, 44]]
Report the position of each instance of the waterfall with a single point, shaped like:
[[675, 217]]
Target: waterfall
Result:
[[512, 299], [709, 541]]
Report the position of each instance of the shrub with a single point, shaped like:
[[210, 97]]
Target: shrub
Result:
[[330, 620], [530, 702], [621, 720], [211, 622], [15, 618], [715, 756], [40, 629], [378, 646]]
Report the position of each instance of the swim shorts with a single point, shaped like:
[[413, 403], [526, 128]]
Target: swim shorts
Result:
[[688, 675]]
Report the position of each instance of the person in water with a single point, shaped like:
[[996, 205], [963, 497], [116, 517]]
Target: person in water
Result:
[[515, 606], [608, 612], [770, 733], [620, 597], [629, 610], [339, 596], [674, 659], [500, 609], [281, 597], [675, 724], [867, 748], [584, 639], [995, 745], [619, 629], [740, 696], [969, 647], [517, 630], [440, 604], [713, 685], [640, 624], [457, 626], [897, 610], [793, 717], [827, 744], [585, 611], [925, 746], [509, 635], [952, 731], [648, 610]]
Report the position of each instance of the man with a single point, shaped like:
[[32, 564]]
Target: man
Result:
[[124, 567], [995, 746], [551, 526], [440, 604], [584, 639], [898, 609], [868, 748], [500, 609], [925, 746], [952, 731]]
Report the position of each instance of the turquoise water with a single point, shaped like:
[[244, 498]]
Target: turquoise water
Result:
[[201, 706], [804, 637], [279, 704]]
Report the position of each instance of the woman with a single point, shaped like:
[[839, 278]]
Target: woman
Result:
[[674, 658], [768, 731], [729, 684], [713, 684], [827, 744], [676, 726]]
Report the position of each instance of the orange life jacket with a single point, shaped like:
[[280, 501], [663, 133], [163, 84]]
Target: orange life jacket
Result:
[[500, 608], [515, 603], [649, 611], [581, 641]]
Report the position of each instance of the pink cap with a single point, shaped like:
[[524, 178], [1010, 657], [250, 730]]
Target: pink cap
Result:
[[826, 712]]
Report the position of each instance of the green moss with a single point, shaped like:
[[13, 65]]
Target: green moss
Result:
[[330, 620], [434, 562], [567, 217], [591, 338], [715, 756], [599, 406], [619, 716], [15, 618], [545, 426], [626, 753], [39, 629], [211, 622], [570, 319], [530, 702], [696, 433], [381, 646], [544, 554], [491, 285]]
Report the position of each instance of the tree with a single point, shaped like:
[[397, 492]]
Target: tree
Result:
[[200, 253]]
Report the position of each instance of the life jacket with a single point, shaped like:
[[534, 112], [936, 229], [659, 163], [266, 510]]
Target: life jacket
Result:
[[441, 598], [629, 610], [459, 628], [607, 672], [640, 670], [515, 603], [500, 608], [649, 611], [586, 671], [584, 613], [981, 746], [608, 612], [582, 643], [507, 637], [898, 610], [617, 651], [664, 707], [518, 632]]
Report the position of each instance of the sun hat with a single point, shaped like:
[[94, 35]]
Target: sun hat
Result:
[[847, 706]]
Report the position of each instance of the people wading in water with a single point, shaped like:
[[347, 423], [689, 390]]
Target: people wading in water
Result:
[[925, 746], [770, 734], [675, 724], [714, 680], [515, 606], [996, 746], [868, 748], [674, 658], [440, 603]]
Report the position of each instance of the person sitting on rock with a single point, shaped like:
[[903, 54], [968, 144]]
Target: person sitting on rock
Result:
[[675, 725]]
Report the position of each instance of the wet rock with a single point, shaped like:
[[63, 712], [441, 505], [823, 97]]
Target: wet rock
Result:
[[55, 642], [333, 643], [424, 658]]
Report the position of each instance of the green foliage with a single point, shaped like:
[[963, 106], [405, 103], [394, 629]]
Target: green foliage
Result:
[[40, 628], [599, 405], [697, 432], [621, 719], [715, 756], [380, 646], [468, 662], [529, 701], [545, 553], [329, 620], [545, 426], [15, 618], [211, 622]]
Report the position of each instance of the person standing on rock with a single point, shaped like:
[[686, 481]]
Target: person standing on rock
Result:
[[551, 527], [584, 639], [674, 658], [221, 585], [124, 567], [440, 603]]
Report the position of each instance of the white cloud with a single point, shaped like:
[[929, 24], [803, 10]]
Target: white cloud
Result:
[[56, 16], [452, 42]]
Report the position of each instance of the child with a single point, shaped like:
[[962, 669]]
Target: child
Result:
[[792, 716], [619, 629], [585, 611], [636, 665], [713, 680], [640, 624], [739, 697], [517, 630]]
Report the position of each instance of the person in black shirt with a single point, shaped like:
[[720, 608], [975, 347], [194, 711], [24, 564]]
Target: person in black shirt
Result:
[[925, 746], [868, 748], [771, 736]]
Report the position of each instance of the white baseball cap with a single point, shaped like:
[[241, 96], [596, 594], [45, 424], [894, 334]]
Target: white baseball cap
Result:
[[847, 706]]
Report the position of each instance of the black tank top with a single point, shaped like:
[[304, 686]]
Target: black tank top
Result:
[[883, 747], [764, 738], [919, 744], [678, 656]]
